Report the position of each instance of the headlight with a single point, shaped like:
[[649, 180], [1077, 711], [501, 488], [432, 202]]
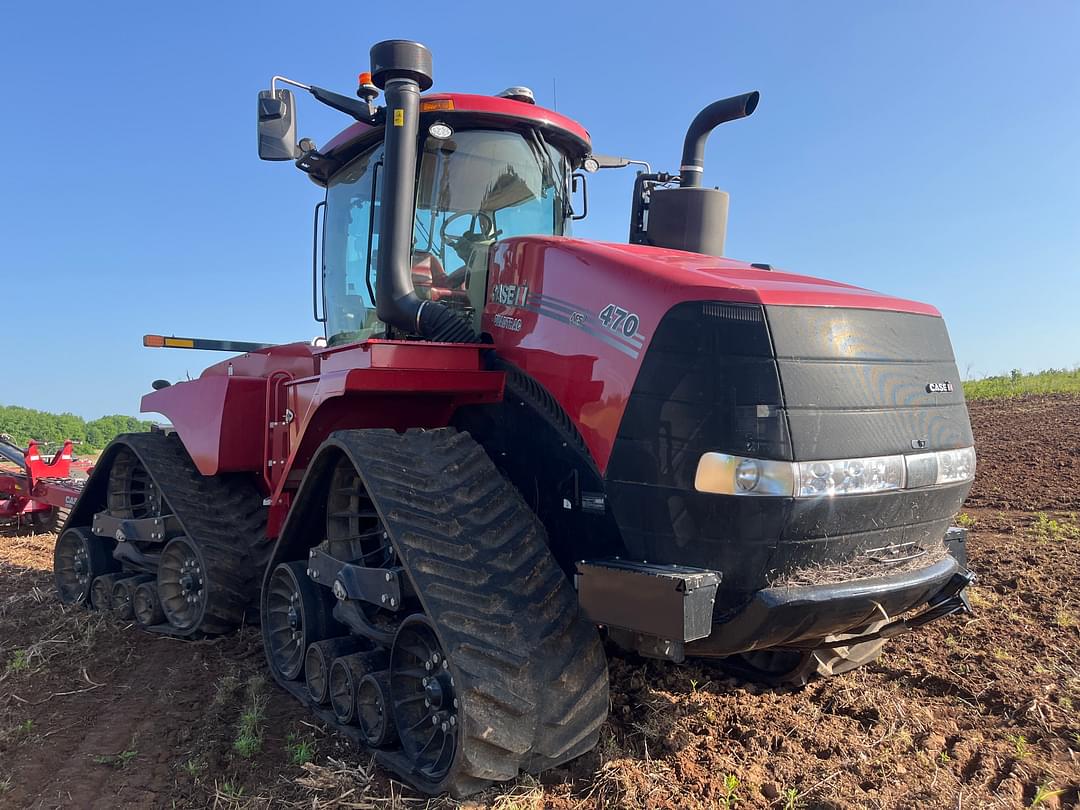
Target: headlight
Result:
[[850, 476], [735, 475], [726, 474]]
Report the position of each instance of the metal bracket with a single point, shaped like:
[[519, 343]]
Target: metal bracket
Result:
[[143, 530], [378, 586]]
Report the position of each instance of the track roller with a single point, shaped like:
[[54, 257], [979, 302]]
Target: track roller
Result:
[[374, 710], [298, 613], [345, 675], [101, 591], [123, 593], [78, 558], [318, 660], [146, 605]]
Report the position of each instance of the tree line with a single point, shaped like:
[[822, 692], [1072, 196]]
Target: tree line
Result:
[[24, 424]]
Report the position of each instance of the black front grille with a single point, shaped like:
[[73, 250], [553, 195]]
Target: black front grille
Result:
[[787, 383], [856, 382]]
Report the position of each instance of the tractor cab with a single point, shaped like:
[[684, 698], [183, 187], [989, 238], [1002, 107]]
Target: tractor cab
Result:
[[475, 186], [441, 178]]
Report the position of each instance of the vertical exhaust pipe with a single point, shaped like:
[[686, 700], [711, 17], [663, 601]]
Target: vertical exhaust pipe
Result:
[[402, 70], [717, 113]]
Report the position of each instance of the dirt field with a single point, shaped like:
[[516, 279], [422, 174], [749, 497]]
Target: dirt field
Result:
[[976, 712]]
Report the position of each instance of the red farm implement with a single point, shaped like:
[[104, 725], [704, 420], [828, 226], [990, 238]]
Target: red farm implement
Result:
[[36, 488]]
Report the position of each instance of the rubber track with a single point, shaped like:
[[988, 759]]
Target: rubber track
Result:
[[222, 514], [533, 675]]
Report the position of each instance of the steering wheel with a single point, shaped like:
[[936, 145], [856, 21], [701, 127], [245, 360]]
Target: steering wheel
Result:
[[464, 244]]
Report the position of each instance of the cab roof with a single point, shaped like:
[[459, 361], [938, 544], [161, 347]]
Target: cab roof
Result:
[[456, 107]]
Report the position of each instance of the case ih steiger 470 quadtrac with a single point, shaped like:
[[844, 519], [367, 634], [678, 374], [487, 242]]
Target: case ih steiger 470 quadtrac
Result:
[[512, 442]]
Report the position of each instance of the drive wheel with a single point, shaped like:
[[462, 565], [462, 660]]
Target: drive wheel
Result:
[[182, 584], [132, 493], [297, 614], [78, 558], [425, 706]]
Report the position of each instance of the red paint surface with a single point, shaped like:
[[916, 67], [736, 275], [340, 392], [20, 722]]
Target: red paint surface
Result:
[[591, 379], [41, 487], [484, 105], [267, 412]]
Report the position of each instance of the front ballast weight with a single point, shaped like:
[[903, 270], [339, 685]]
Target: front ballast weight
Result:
[[654, 609]]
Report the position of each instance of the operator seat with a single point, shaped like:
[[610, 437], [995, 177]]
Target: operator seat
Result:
[[432, 281]]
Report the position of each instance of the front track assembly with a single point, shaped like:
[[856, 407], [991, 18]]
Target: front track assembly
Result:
[[451, 643]]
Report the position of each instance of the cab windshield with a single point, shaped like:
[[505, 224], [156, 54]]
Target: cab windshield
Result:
[[474, 188]]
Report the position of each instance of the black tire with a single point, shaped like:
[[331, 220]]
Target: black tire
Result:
[[297, 614], [78, 558]]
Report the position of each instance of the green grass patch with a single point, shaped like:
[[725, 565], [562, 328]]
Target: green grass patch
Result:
[[1018, 384], [117, 760], [1060, 528], [301, 752], [19, 662], [249, 731]]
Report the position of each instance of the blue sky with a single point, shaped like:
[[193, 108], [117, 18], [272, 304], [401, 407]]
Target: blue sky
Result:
[[929, 150]]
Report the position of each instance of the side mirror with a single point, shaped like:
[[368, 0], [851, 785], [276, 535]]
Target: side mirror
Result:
[[579, 184], [277, 125]]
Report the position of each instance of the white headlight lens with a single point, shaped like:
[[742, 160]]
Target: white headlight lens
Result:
[[850, 476], [956, 465], [725, 474]]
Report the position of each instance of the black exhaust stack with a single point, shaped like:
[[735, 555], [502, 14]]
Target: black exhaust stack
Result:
[[402, 70], [717, 113], [690, 217]]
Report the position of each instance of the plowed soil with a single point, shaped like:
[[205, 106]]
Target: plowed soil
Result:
[[980, 711]]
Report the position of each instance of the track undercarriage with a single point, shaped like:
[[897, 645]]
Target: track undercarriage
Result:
[[411, 601]]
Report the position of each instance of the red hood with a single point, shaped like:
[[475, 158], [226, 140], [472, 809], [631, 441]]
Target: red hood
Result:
[[694, 274]]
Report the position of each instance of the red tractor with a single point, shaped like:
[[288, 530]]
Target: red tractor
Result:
[[513, 444]]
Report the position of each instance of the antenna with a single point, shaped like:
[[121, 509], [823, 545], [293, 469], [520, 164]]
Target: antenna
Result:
[[554, 96]]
